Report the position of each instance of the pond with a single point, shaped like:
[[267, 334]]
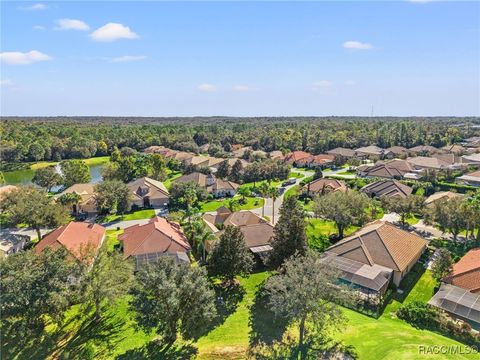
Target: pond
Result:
[[24, 177]]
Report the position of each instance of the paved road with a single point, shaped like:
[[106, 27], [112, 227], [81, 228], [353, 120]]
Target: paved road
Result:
[[337, 174]]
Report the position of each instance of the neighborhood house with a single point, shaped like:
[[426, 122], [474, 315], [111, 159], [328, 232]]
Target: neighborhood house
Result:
[[147, 192]]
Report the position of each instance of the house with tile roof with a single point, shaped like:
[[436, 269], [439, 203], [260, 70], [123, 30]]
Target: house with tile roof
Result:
[[425, 162], [472, 179], [398, 151], [313, 161], [387, 188], [295, 158], [87, 204], [441, 196], [344, 153], [323, 186], [374, 151], [391, 169], [148, 242], [79, 238], [382, 244], [466, 272], [147, 192], [423, 150], [216, 187]]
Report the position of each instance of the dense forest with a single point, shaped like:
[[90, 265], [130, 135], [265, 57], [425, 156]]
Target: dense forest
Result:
[[56, 138]]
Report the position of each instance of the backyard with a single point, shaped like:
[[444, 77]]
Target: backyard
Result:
[[250, 203]]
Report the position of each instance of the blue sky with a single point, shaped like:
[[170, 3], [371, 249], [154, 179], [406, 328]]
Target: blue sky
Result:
[[240, 58]]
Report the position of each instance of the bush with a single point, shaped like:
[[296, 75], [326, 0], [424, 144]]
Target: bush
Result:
[[418, 314]]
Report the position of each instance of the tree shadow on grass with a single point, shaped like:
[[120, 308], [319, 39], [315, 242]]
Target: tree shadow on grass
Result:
[[156, 350], [227, 300], [409, 282], [266, 328]]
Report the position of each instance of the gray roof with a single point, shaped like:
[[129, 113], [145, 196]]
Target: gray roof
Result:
[[142, 259], [458, 301], [373, 277]]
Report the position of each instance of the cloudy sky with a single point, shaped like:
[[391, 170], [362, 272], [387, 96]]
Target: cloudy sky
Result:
[[240, 58]]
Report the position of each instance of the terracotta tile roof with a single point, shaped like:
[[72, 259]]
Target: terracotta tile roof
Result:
[[320, 185], [381, 243], [157, 236], [388, 188], [296, 156], [441, 195], [76, 237], [466, 272]]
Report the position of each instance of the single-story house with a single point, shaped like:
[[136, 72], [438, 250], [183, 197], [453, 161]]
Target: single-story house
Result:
[[472, 179], [12, 243], [473, 159], [397, 151], [387, 188], [344, 153], [466, 272], [159, 237], [296, 158], [276, 155], [147, 192], [383, 244], [453, 160], [459, 303], [81, 239], [455, 149], [392, 169], [423, 150], [323, 186], [155, 149], [373, 151], [231, 162], [424, 162], [313, 161], [216, 187], [87, 204], [256, 230], [441, 196]]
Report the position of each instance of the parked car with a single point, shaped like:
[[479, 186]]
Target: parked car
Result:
[[290, 181]]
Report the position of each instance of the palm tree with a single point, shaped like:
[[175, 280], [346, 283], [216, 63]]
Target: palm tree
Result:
[[274, 194], [243, 192], [264, 189], [197, 235]]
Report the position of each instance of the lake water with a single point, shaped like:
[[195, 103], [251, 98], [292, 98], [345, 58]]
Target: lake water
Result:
[[24, 177]]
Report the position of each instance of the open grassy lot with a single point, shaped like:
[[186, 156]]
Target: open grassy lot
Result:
[[325, 227], [213, 205], [134, 215]]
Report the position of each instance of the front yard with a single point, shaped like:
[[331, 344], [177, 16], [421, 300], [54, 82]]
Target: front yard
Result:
[[134, 215], [213, 205]]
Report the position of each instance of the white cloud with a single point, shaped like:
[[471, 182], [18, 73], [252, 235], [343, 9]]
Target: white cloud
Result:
[[241, 88], [350, 82], [357, 45], [71, 24], [322, 83], [128, 58], [6, 82], [207, 87], [35, 7], [19, 58], [38, 27], [113, 31]]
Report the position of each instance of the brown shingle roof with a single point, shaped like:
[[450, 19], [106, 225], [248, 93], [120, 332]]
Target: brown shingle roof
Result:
[[320, 185], [76, 237], [383, 244], [342, 152], [441, 195], [157, 236], [389, 169], [388, 188], [466, 272], [147, 187], [397, 150]]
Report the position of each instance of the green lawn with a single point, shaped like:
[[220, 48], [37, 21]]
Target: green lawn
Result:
[[172, 175], [296, 175], [292, 191], [135, 215], [112, 238], [258, 183], [412, 220], [325, 227], [230, 340], [213, 205]]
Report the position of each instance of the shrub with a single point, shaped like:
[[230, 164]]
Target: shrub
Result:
[[418, 314]]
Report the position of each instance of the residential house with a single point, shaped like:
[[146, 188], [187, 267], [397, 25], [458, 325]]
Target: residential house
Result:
[[430, 163], [392, 169], [148, 242], [214, 186], [387, 188], [345, 154], [154, 149], [147, 192], [295, 158], [454, 161], [231, 162], [456, 149], [313, 161], [257, 231], [384, 248], [473, 159], [240, 152], [276, 155], [441, 196], [373, 151], [82, 240], [459, 294], [87, 203], [323, 186], [398, 151], [12, 243], [472, 179], [466, 272], [423, 150]]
